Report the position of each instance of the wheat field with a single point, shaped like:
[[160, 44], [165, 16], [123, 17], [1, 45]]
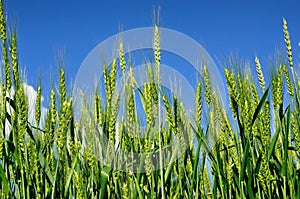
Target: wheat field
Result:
[[255, 152]]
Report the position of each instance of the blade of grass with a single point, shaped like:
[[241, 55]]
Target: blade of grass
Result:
[[69, 176], [105, 173], [259, 106]]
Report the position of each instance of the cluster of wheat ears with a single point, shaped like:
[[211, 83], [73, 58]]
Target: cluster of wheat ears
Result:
[[247, 159]]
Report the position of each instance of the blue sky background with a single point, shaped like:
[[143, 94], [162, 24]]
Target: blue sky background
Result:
[[246, 28]]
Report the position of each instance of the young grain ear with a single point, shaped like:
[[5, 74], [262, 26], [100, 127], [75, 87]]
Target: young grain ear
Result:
[[122, 57], [157, 53], [198, 106], [38, 106], [62, 88], [288, 81], [14, 59], [288, 43], [260, 74], [207, 85]]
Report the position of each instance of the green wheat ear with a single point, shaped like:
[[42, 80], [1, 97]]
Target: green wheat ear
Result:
[[199, 105], [288, 43], [122, 57], [170, 119], [264, 174], [97, 107], [280, 84], [177, 122], [157, 53], [38, 106], [62, 88], [260, 74], [64, 121], [232, 89], [2, 23], [79, 184], [277, 87], [107, 86], [7, 69], [14, 58], [267, 126], [147, 93], [296, 129], [130, 111], [113, 75], [22, 114], [288, 81], [48, 137], [207, 85]]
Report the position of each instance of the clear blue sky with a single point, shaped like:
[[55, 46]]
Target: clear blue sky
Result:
[[247, 28]]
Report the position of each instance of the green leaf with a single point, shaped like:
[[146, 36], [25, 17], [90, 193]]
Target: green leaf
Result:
[[143, 100], [245, 160], [53, 195], [4, 182], [259, 106], [105, 173], [138, 187], [273, 143], [46, 168], [69, 176]]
